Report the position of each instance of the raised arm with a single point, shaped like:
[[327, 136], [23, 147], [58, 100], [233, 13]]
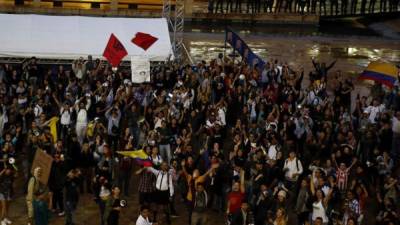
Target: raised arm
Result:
[[242, 186], [184, 172], [154, 171], [312, 188], [327, 198], [139, 171], [331, 65], [314, 63], [171, 187], [352, 164], [334, 160], [108, 112], [56, 100]]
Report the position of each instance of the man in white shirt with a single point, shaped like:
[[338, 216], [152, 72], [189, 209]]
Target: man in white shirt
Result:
[[143, 218], [273, 148], [38, 109], [293, 169], [374, 111], [81, 118], [164, 189], [66, 120]]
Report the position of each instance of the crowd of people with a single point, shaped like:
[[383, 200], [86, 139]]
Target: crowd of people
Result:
[[263, 146], [320, 7]]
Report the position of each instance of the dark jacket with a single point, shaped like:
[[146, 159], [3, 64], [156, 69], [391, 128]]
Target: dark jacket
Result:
[[72, 190], [57, 175], [237, 218]]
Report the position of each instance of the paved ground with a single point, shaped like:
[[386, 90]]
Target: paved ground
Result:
[[88, 212]]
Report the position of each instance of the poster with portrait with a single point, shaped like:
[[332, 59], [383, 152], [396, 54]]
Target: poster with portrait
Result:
[[140, 67]]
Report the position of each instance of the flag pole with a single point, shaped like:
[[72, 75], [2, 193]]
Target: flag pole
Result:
[[226, 37]]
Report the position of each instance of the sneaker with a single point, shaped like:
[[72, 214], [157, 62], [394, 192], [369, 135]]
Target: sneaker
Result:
[[3, 222], [61, 213], [7, 221]]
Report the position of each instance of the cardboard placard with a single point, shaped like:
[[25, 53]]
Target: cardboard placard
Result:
[[44, 161]]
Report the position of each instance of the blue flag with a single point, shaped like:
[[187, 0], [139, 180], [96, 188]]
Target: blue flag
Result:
[[241, 47]]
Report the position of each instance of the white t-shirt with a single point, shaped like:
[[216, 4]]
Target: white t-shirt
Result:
[[81, 118], [319, 211], [396, 125], [373, 112], [65, 116], [143, 221], [293, 166], [272, 151]]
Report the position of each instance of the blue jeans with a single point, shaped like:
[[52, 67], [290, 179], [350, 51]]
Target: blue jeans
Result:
[[41, 212]]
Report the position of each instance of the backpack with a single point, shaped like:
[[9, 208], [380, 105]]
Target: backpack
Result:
[[297, 163], [200, 201]]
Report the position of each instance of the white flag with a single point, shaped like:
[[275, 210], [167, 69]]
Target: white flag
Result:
[[140, 69]]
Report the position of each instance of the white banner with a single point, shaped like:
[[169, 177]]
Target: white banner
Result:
[[79, 36], [140, 67]]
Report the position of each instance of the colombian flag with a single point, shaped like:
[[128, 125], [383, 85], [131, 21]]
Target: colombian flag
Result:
[[140, 157], [382, 72]]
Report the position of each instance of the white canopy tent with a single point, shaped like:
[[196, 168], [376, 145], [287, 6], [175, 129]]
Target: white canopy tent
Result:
[[71, 37]]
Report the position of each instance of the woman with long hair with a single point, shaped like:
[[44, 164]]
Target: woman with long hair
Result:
[[281, 217], [113, 207], [320, 203]]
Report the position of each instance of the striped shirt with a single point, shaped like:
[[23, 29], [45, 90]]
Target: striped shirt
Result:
[[354, 206], [147, 182]]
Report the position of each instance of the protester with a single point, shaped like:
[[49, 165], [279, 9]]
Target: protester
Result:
[[143, 218], [38, 198], [6, 187], [113, 207], [72, 184]]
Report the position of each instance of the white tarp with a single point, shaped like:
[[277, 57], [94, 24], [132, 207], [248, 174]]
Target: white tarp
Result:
[[70, 37], [140, 70]]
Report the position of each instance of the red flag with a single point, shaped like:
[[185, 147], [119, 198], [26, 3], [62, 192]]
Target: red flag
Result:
[[144, 40], [114, 51]]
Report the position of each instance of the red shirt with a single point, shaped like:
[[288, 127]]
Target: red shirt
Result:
[[235, 201]]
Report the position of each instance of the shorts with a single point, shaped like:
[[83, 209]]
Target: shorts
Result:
[[5, 197]]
